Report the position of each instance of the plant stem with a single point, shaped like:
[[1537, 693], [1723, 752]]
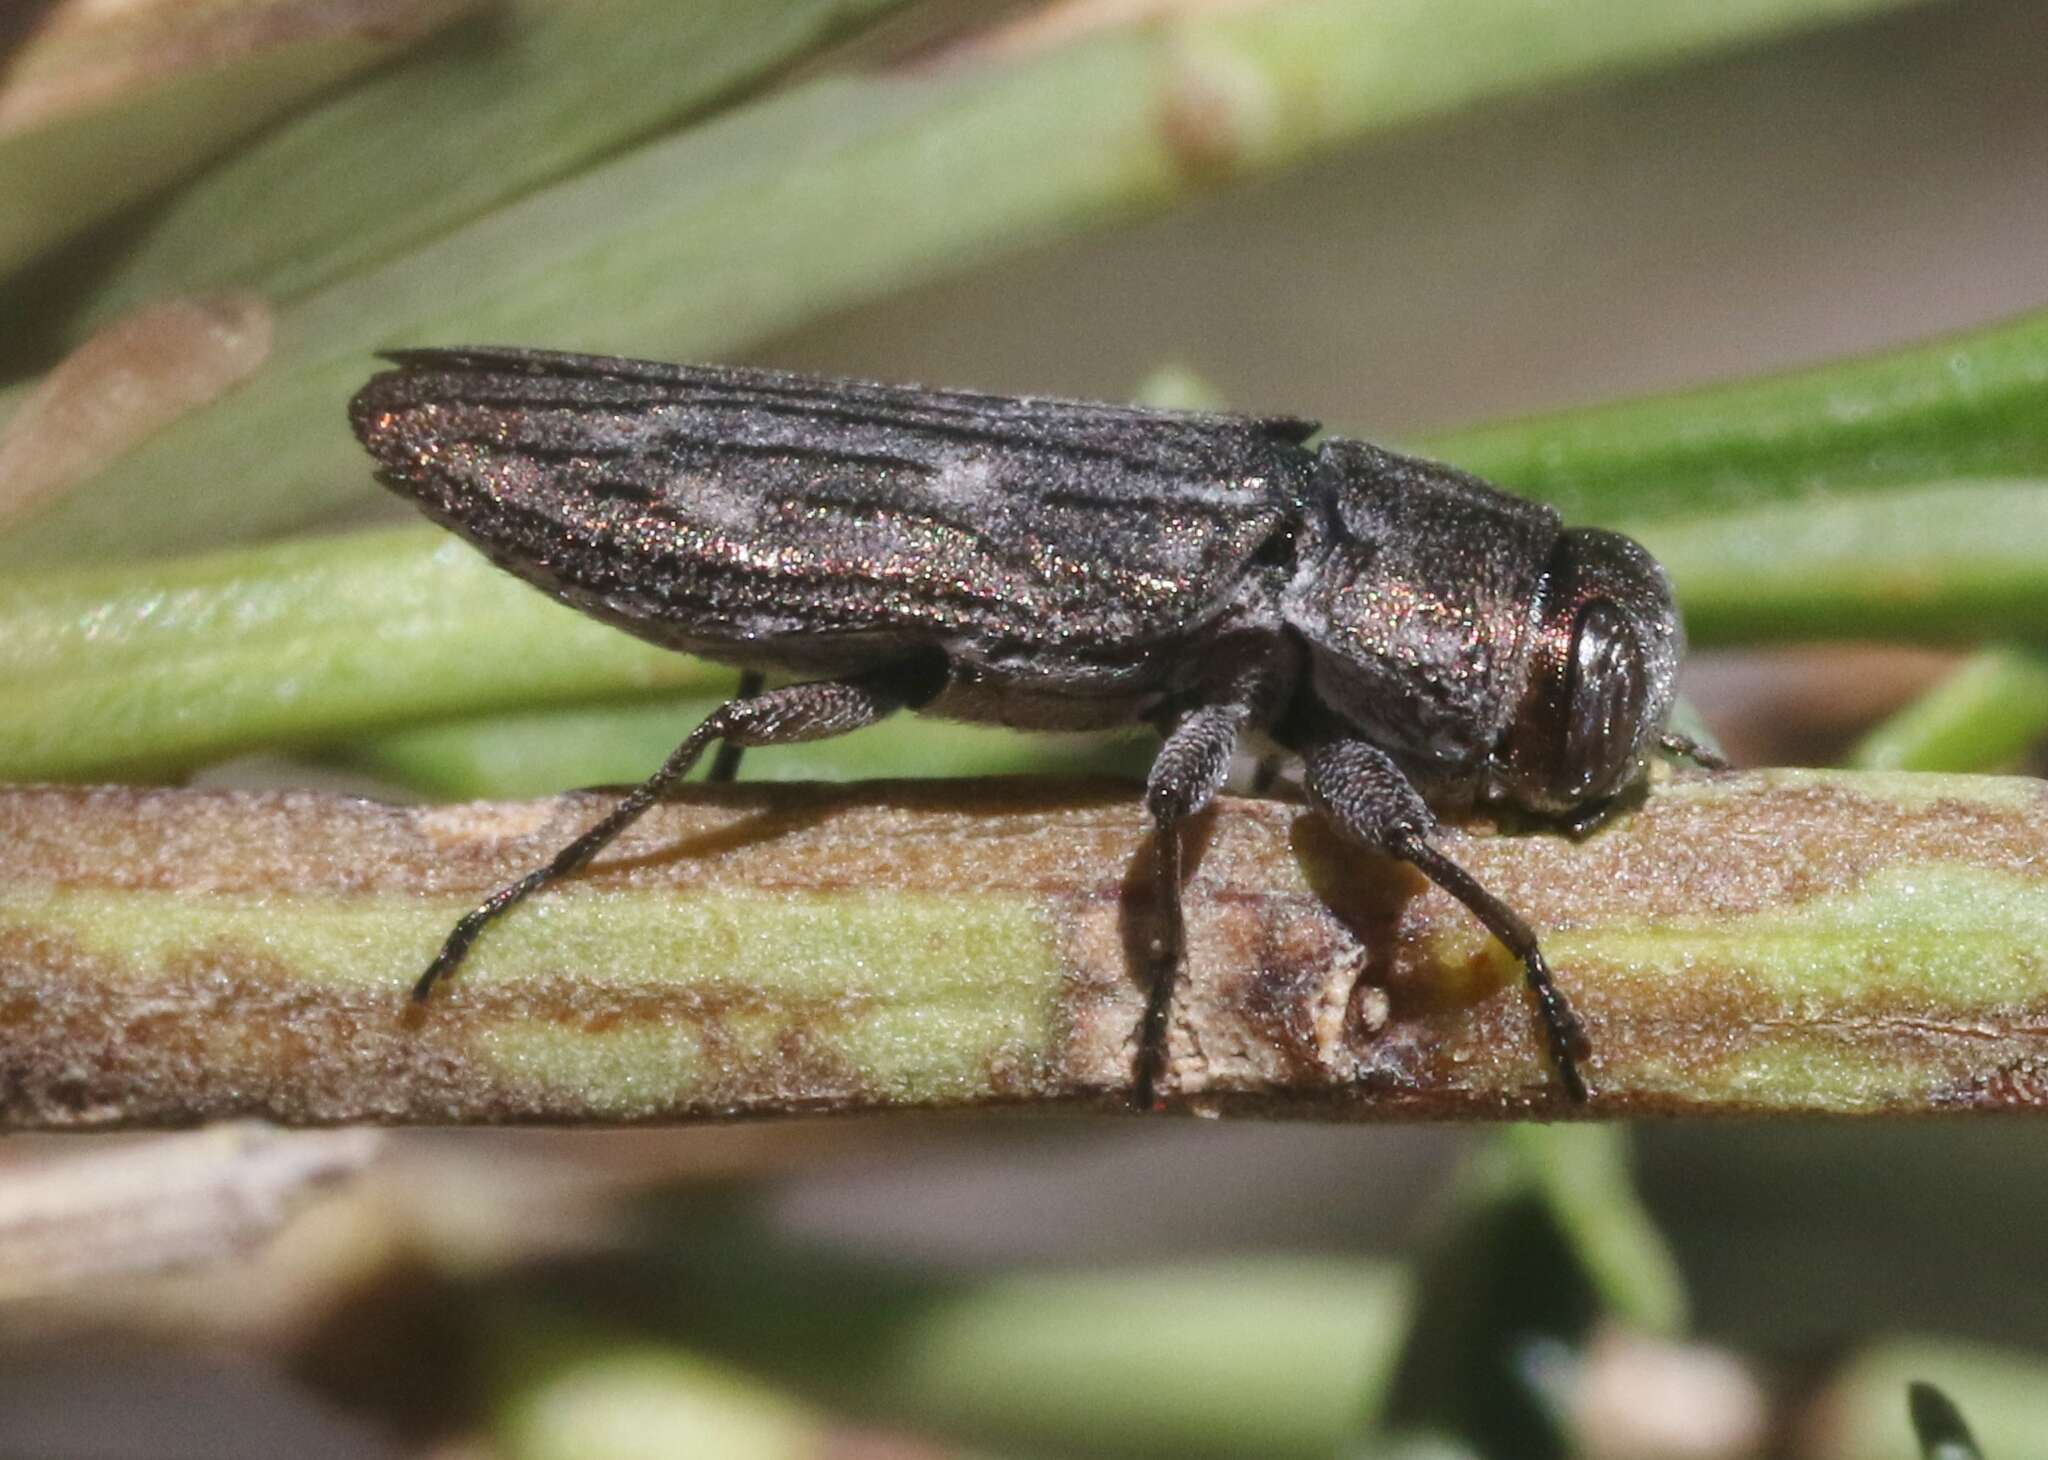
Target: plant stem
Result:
[[1767, 943]]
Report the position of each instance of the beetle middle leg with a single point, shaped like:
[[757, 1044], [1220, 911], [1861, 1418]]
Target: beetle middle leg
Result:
[[817, 710], [1370, 802], [1243, 693]]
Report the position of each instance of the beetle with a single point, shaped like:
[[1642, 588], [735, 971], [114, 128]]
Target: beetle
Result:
[[1419, 639]]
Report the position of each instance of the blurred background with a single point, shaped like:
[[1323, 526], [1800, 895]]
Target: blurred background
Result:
[[1851, 178]]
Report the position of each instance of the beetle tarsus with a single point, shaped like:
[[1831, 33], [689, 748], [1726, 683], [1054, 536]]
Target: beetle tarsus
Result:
[[1371, 803], [1168, 953], [1563, 1033], [1245, 686]]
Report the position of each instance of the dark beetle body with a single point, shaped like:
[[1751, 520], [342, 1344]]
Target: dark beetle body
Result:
[[1073, 562], [1060, 564]]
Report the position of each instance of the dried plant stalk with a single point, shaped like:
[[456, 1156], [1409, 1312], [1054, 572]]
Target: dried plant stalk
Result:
[[152, 1206], [128, 381], [1768, 942]]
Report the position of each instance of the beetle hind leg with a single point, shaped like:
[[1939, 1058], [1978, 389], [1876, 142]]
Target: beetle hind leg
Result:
[[725, 766], [817, 710]]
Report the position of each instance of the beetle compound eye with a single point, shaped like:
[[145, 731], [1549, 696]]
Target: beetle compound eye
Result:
[[1598, 679], [1605, 698]]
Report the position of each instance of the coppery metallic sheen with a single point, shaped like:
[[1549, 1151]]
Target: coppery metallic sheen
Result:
[[1419, 638]]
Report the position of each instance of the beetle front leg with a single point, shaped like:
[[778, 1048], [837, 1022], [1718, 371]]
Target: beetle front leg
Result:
[[814, 711], [1370, 802]]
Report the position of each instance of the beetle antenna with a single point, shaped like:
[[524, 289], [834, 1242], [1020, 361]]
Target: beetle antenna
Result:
[[1687, 748]]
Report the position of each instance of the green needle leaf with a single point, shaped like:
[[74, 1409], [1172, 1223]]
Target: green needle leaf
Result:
[[1984, 716], [1965, 406]]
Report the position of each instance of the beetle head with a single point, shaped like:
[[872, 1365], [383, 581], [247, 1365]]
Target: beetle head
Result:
[[1602, 676]]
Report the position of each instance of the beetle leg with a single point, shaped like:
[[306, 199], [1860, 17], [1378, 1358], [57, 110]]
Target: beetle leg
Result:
[[1189, 770], [1370, 802], [725, 766], [814, 711]]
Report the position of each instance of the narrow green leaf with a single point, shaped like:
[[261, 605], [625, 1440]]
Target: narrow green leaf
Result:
[[627, 1402], [1584, 1180], [132, 670], [1193, 1361], [1541, 1237], [1984, 716], [1969, 405], [571, 1388], [1950, 562], [539, 752]]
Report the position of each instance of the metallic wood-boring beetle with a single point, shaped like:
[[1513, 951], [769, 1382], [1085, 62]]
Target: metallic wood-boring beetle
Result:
[[1419, 639]]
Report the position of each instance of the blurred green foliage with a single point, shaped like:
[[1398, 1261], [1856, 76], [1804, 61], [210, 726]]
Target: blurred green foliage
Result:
[[636, 177]]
